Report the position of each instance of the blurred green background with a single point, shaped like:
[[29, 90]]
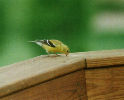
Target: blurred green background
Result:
[[83, 25]]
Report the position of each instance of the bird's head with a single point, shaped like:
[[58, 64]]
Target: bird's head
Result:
[[66, 50]]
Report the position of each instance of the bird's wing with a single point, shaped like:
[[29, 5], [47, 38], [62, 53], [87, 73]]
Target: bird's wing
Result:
[[48, 42], [56, 42]]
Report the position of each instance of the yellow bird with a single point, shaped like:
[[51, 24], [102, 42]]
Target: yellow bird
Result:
[[53, 46]]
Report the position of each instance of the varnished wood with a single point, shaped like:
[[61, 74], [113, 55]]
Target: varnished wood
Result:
[[24, 74], [105, 83], [30, 72], [104, 58], [68, 87]]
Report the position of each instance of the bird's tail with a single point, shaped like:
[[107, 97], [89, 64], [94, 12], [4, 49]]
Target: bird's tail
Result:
[[32, 41], [38, 42]]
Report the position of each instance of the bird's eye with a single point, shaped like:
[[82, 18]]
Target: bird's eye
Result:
[[67, 51]]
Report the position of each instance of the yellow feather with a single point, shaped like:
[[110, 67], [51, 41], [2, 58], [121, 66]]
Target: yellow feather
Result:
[[59, 47]]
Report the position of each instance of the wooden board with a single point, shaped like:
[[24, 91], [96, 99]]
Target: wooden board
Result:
[[104, 58], [68, 87], [96, 59], [105, 83], [27, 73], [30, 72]]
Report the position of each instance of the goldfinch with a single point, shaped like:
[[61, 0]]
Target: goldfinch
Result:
[[53, 46]]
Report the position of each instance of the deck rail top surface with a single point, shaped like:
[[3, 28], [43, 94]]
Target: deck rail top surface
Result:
[[43, 68]]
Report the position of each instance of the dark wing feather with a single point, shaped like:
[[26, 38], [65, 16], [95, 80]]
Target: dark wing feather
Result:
[[48, 42]]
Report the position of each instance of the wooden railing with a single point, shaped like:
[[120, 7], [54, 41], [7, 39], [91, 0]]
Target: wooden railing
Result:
[[65, 78]]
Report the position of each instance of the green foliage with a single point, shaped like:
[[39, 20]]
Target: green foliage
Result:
[[66, 20]]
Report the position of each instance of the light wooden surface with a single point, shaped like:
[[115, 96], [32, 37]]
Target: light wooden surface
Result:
[[68, 87], [105, 83], [37, 70], [104, 58], [24, 74]]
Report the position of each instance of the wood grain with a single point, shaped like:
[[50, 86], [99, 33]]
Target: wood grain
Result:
[[104, 58], [30, 72], [105, 83], [68, 87], [43, 68]]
